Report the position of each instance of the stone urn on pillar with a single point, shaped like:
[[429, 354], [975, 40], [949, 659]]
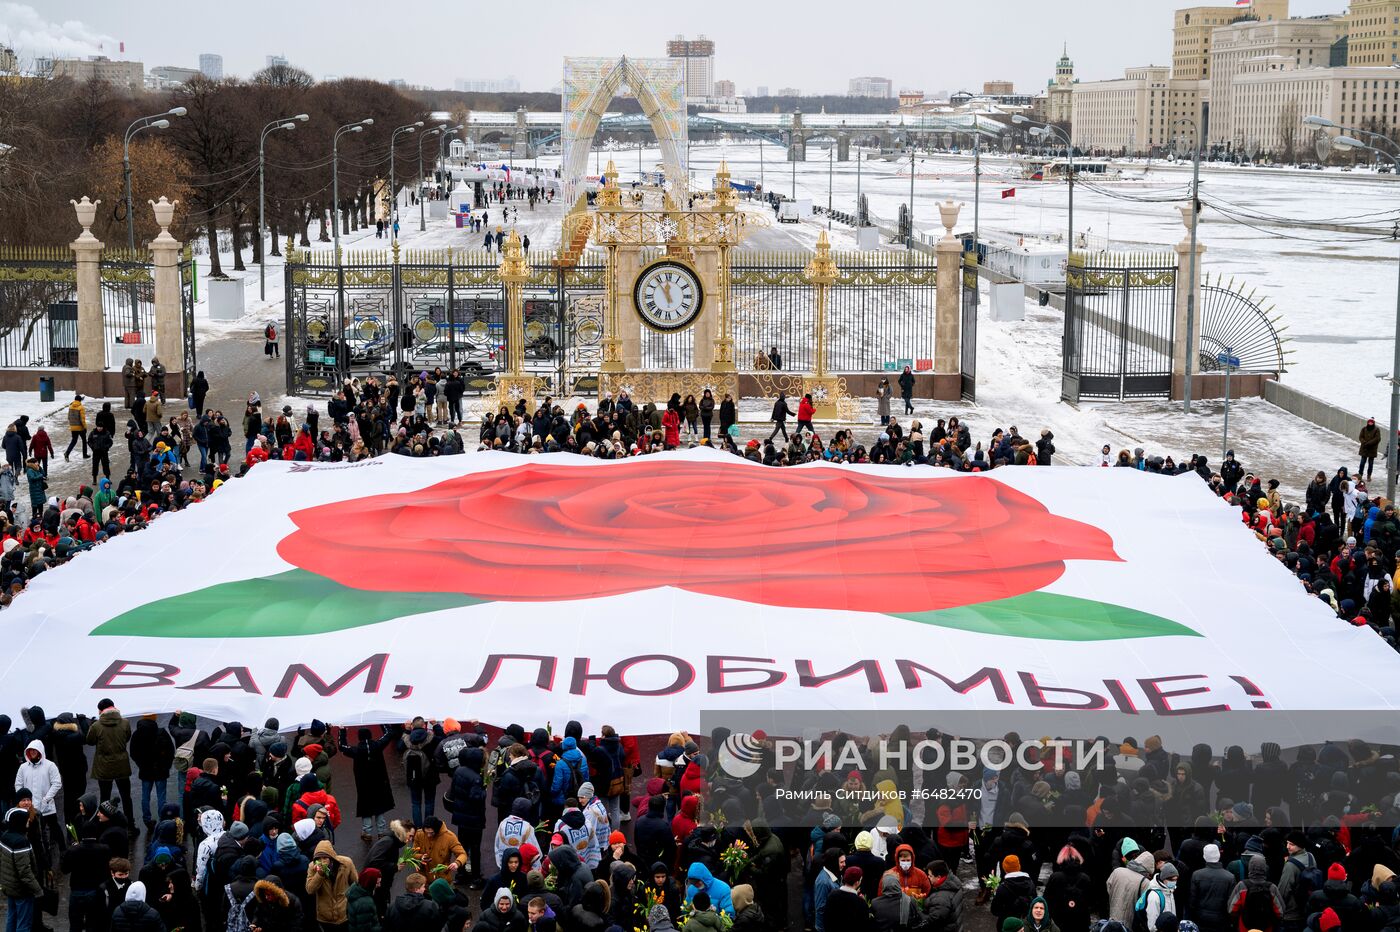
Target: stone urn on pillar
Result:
[[87, 213], [948, 212], [164, 210]]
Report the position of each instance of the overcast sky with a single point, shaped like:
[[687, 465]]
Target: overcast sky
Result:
[[815, 45]]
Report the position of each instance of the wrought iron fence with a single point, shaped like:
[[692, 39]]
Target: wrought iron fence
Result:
[[880, 311], [128, 302], [436, 308], [1120, 315], [38, 308]]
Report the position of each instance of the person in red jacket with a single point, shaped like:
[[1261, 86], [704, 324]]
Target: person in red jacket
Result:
[[311, 793], [41, 448], [304, 444], [687, 820], [256, 454], [671, 421], [805, 412], [693, 779]]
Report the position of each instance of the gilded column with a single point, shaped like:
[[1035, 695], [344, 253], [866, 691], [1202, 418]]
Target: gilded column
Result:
[[726, 233], [514, 384], [609, 201], [821, 273]]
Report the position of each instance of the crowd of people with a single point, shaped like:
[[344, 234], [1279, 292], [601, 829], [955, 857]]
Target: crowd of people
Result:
[[1341, 541], [531, 830]]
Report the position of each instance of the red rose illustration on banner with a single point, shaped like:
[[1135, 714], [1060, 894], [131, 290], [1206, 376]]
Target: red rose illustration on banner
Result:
[[822, 538]]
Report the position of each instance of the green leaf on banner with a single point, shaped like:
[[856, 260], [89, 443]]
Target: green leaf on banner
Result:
[[1051, 617], [289, 604]]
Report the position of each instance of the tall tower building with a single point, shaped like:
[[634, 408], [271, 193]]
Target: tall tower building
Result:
[[699, 57], [1059, 95], [211, 66]]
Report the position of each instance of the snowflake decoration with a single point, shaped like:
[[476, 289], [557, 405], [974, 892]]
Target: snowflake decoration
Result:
[[819, 393], [721, 229], [628, 389], [667, 229], [607, 228], [515, 391]]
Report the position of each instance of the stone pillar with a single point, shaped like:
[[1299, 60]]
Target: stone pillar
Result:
[[843, 147], [165, 262], [1185, 288], [521, 146], [947, 326], [87, 254], [797, 139]]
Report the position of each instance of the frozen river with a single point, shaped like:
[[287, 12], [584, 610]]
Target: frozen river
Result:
[[1336, 291]]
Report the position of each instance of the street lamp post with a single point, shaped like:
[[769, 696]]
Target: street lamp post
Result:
[[1044, 132], [262, 195], [422, 210], [830, 164], [909, 240], [393, 192], [155, 121], [442, 157], [335, 175], [1191, 285], [1351, 142]]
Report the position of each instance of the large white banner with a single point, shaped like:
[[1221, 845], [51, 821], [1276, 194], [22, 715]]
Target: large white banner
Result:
[[641, 593]]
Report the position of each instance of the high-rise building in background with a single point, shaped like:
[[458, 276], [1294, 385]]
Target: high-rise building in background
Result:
[[9, 63], [1191, 33], [277, 61], [211, 66], [761, 91], [506, 85], [699, 57], [167, 76], [1373, 32], [789, 92], [725, 89], [870, 87], [130, 75]]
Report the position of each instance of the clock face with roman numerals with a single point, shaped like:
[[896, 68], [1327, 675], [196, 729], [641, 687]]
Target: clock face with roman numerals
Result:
[[668, 295]]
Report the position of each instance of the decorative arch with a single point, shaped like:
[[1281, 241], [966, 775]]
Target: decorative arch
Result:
[[590, 85]]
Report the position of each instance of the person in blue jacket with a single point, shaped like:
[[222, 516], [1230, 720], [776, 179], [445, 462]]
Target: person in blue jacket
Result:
[[570, 772], [699, 878]]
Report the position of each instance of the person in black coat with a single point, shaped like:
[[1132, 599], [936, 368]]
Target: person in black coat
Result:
[[134, 914], [1070, 891], [906, 390], [373, 794], [413, 911], [69, 754], [466, 801], [846, 909], [153, 753], [652, 833]]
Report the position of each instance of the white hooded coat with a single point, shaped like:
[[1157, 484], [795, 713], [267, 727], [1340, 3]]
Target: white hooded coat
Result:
[[39, 777], [211, 822]]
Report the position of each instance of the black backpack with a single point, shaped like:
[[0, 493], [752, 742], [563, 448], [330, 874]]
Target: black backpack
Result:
[[415, 765], [1258, 911], [1310, 880], [574, 779]]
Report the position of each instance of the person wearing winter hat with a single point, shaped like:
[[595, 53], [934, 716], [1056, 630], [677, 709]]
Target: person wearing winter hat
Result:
[[1208, 899], [1290, 882], [1160, 895], [1167, 922], [1328, 920], [845, 908], [134, 914], [1014, 894], [21, 871], [361, 913]]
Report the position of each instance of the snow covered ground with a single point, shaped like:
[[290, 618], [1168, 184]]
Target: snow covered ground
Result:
[[1336, 299], [1335, 290]]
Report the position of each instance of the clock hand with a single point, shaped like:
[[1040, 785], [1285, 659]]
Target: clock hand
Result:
[[666, 290]]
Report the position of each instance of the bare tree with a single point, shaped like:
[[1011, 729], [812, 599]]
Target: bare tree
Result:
[[1288, 124]]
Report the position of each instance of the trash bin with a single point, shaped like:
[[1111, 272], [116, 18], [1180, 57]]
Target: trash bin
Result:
[[46, 388]]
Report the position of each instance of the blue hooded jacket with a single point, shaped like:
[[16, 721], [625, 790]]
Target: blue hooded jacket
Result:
[[573, 758], [718, 890], [1371, 517]]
